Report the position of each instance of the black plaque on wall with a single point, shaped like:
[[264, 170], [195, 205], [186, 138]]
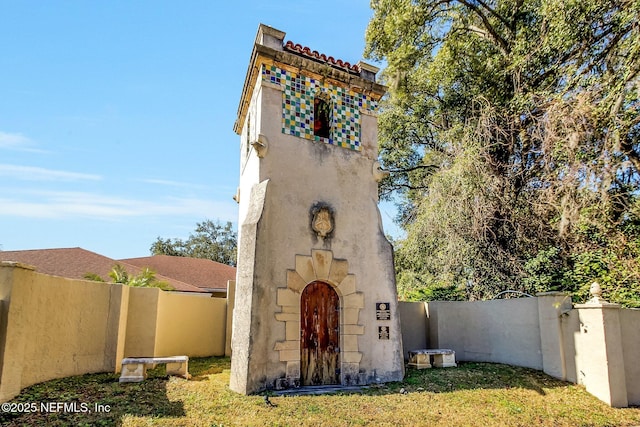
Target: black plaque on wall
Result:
[[383, 332], [383, 311]]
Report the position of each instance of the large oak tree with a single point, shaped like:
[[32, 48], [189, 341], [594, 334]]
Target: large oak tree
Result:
[[210, 240], [512, 134]]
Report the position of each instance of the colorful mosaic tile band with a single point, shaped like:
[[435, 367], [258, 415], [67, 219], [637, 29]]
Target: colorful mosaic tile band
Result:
[[297, 107]]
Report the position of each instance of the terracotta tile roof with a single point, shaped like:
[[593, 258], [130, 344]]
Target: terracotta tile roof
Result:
[[203, 273], [74, 263], [313, 54]]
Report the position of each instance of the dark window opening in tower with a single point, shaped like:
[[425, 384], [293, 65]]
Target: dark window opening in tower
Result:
[[321, 118]]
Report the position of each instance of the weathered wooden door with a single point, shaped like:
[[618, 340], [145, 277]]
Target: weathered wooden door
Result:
[[319, 334]]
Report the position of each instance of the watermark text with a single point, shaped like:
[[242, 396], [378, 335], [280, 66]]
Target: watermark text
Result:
[[54, 407]]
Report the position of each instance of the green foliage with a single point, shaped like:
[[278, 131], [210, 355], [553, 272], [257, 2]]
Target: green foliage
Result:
[[545, 271], [119, 274], [210, 240], [436, 293], [93, 276], [604, 252], [617, 275], [512, 136], [421, 286], [146, 279]]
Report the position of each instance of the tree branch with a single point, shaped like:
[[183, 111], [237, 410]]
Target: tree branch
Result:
[[495, 14], [413, 168], [502, 43]]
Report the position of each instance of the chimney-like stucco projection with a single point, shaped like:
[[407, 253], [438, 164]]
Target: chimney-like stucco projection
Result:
[[316, 300]]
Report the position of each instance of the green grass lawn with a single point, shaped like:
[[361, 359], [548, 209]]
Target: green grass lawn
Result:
[[474, 394]]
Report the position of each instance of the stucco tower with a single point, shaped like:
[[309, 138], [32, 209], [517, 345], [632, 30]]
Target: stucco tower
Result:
[[316, 300]]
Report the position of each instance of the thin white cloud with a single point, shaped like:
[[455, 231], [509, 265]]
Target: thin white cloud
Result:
[[32, 173], [71, 204], [17, 142], [221, 190], [13, 140], [52, 204], [170, 183]]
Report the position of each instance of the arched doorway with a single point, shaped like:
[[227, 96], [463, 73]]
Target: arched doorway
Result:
[[319, 335]]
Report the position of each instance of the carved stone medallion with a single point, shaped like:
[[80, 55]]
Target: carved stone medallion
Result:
[[322, 222]]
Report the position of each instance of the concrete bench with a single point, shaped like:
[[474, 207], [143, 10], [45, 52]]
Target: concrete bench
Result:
[[134, 369], [442, 358]]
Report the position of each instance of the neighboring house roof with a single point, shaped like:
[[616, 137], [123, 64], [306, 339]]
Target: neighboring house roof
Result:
[[204, 273], [75, 263]]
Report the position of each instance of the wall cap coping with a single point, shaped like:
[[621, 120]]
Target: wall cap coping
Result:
[[17, 265], [597, 305]]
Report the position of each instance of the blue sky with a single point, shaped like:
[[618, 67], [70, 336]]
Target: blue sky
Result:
[[116, 116]]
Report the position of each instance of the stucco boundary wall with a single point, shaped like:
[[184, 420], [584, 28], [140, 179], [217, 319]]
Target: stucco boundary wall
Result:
[[595, 344], [53, 327]]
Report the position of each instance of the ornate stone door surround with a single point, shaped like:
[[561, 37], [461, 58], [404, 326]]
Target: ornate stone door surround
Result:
[[321, 266]]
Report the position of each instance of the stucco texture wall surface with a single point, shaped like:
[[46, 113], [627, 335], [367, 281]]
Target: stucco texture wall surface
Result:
[[52, 327], [300, 174], [190, 325], [413, 319], [502, 331], [630, 329], [168, 324], [594, 344]]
